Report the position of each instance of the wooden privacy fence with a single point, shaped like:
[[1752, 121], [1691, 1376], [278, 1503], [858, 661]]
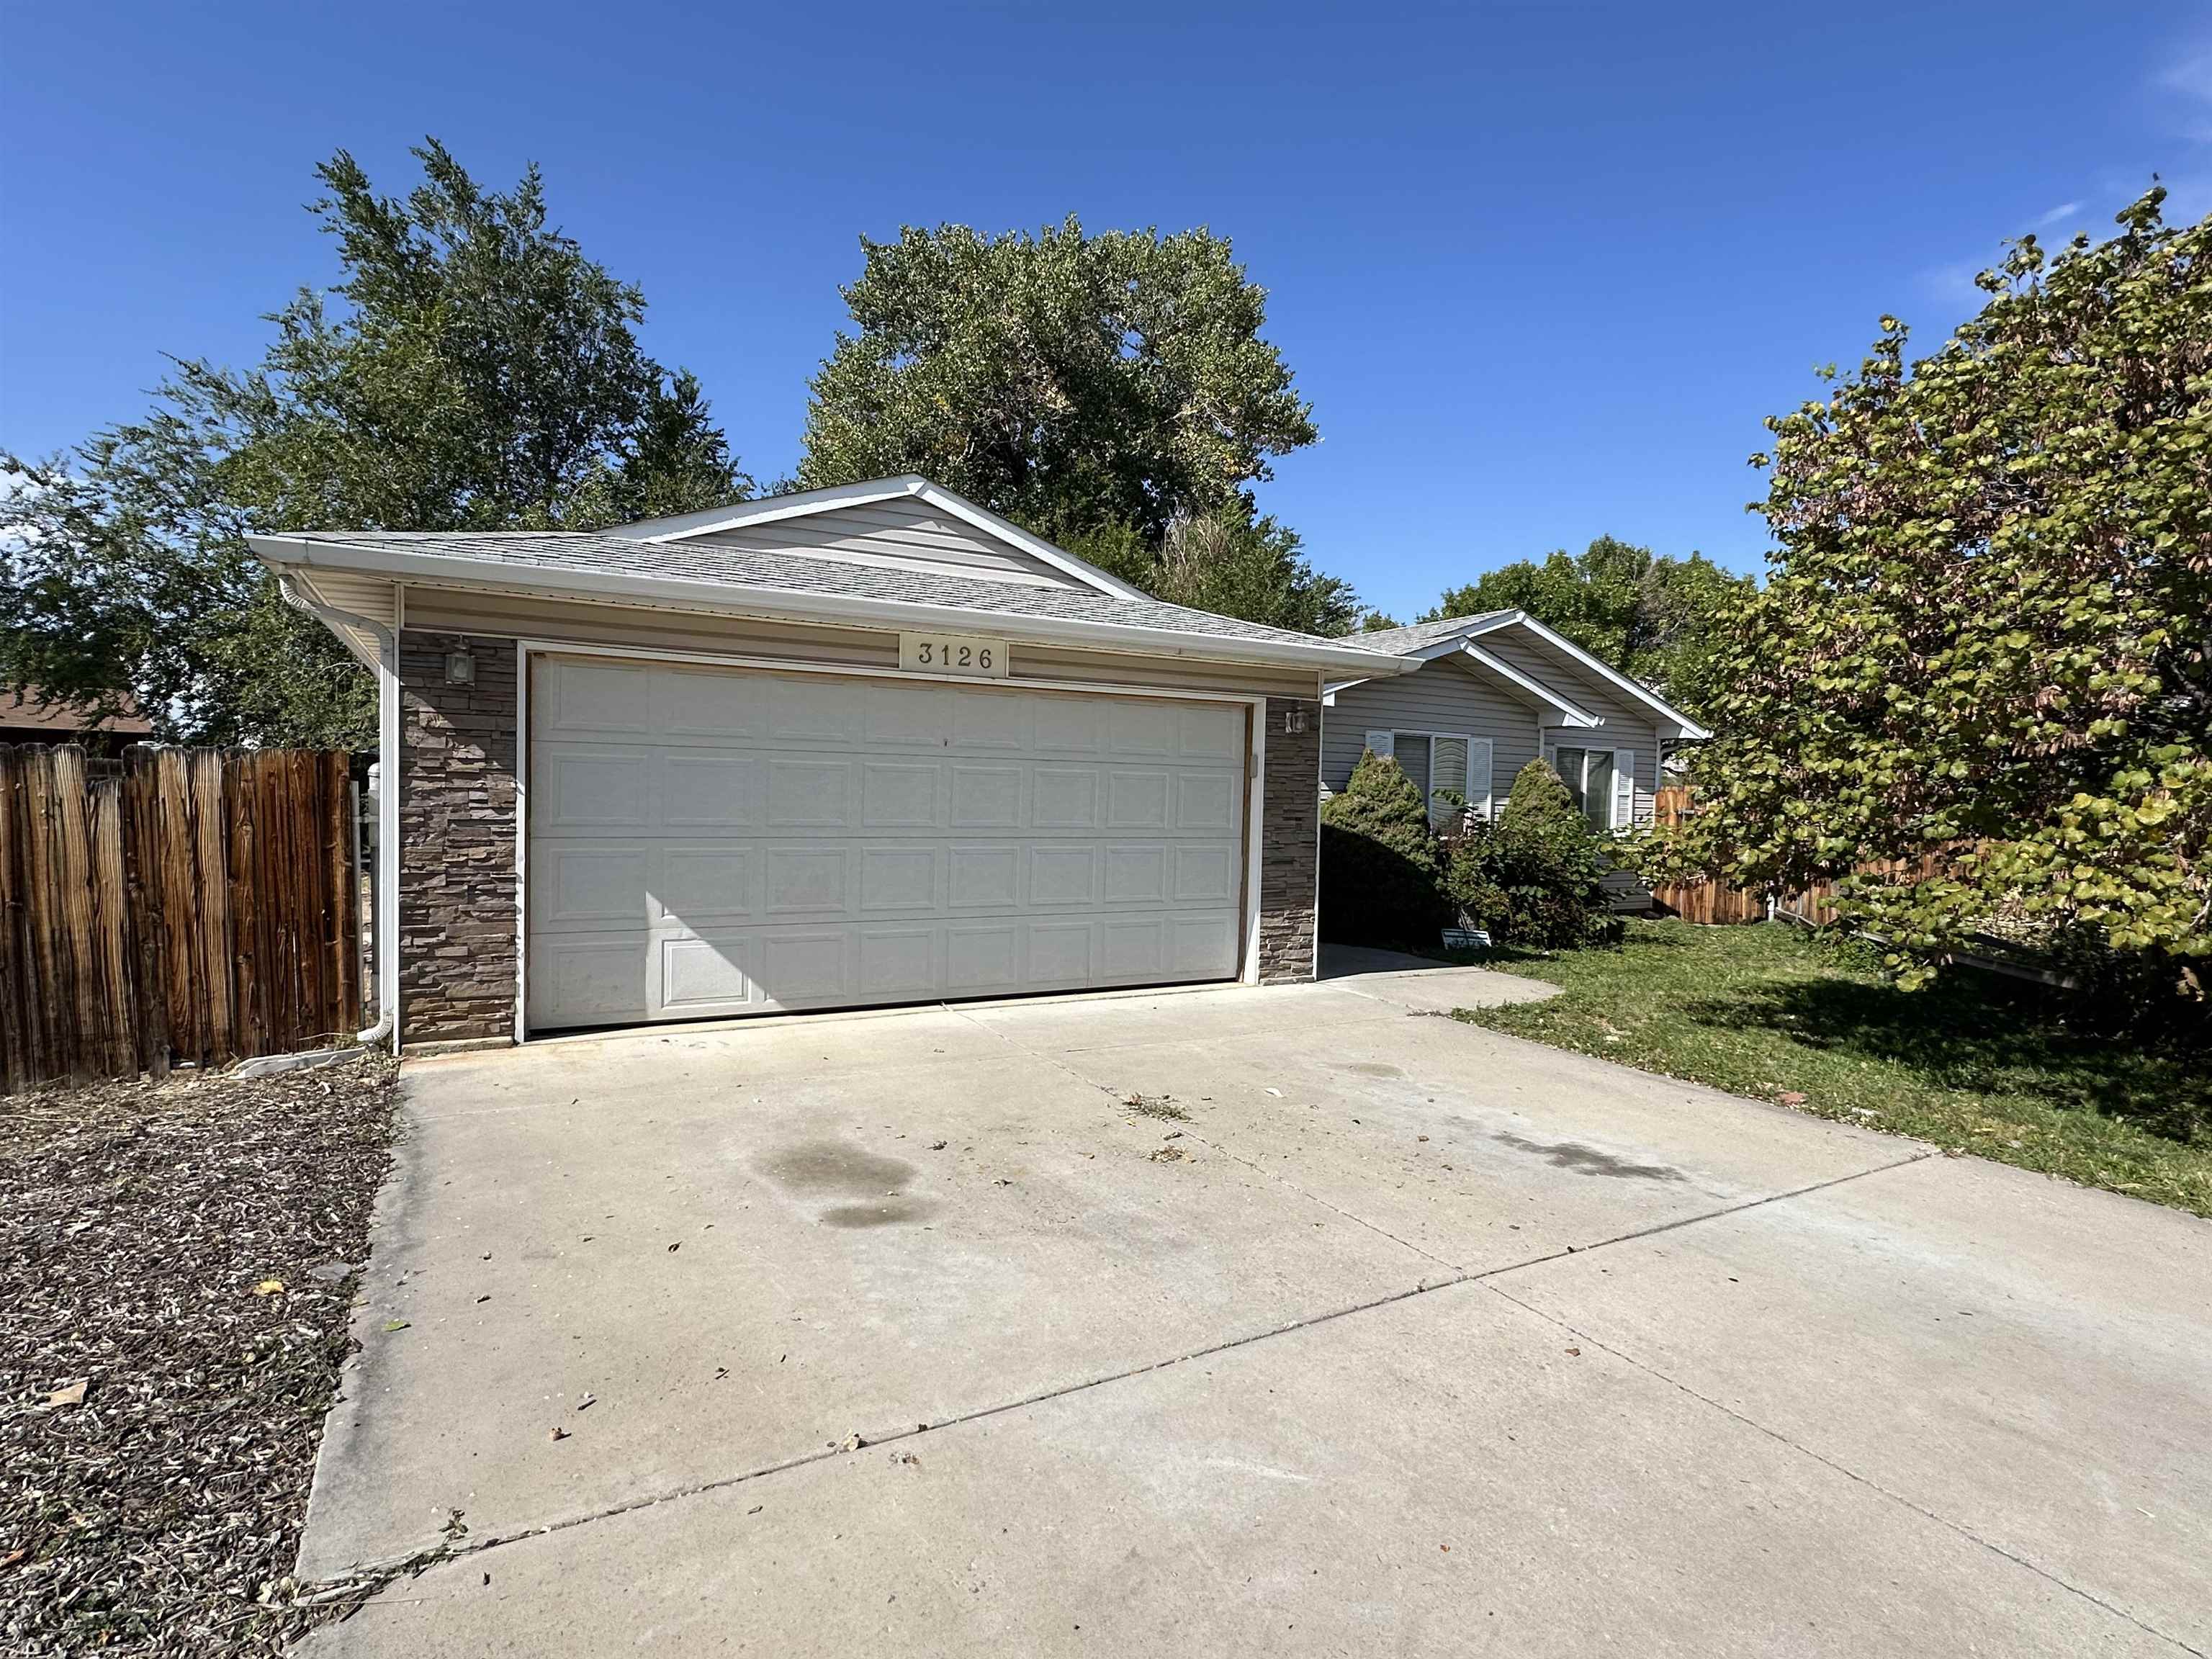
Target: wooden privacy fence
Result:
[[1717, 902], [202, 906]]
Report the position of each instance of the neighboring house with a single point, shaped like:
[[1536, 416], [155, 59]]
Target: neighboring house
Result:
[[26, 716], [863, 745], [1495, 691]]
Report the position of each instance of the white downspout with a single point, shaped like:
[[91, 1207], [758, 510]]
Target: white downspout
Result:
[[387, 805]]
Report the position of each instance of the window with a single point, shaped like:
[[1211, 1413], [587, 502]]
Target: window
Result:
[[1598, 778], [1441, 761]]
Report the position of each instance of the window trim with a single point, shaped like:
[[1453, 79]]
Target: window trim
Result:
[[1488, 807]]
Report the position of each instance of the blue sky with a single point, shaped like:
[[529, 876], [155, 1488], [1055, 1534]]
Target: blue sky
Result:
[[1542, 270]]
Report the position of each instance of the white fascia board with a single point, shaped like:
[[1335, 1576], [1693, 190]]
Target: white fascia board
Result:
[[1536, 689], [740, 514], [1684, 726], [785, 605]]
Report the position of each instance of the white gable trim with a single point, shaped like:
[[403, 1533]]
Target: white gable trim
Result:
[[1686, 727], [740, 514], [1536, 689]]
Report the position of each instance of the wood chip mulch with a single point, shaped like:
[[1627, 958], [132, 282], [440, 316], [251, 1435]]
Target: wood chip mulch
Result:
[[176, 1266]]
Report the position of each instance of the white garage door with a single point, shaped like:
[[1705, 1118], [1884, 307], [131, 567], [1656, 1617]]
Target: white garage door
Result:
[[705, 842]]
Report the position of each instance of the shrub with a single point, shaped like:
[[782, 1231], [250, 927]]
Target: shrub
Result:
[[1380, 883], [1535, 878]]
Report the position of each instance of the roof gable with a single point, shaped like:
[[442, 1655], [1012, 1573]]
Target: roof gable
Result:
[[906, 519]]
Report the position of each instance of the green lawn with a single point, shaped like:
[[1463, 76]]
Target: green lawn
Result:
[[1972, 1063]]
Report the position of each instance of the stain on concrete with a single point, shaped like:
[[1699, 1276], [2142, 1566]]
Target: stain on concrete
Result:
[[869, 1182], [1374, 1068], [891, 1213], [1589, 1160]]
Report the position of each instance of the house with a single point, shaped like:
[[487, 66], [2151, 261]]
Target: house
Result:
[[1492, 693], [28, 716], [863, 745]]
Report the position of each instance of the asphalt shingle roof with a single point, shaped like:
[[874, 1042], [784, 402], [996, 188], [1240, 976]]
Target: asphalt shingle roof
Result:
[[1395, 641], [792, 572]]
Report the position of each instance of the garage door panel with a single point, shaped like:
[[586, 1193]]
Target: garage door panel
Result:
[[596, 977], [813, 708], [1135, 875], [898, 877], [907, 713], [702, 788], [1063, 878], [1070, 727], [986, 876], [1142, 726], [985, 797], [1206, 803], [595, 700], [1212, 732], [1134, 948], [798, 879], [807, 793], [710, 842], [901, 794], [705, 706], [594, 884], [897, 962], [1202, 946], [586, 787], [991, 720], [1204, 875], [705, 975], [801, 967], [1137, 800], [699, 887], [1064, 798], [1060, 953]]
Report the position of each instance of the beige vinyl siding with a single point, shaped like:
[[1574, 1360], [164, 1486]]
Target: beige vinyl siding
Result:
[[459, 610], [906, 532], [1444, 696], [1627, 724]]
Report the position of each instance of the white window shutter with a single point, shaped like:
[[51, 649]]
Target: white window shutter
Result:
[[1624, 788], [1380, 745], [1478, 774], [1448, 761]]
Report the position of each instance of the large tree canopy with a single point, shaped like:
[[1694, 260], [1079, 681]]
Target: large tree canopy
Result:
[[1658, 618], [1986, 634], [1110, 392], [471, 370], [1067, 380]]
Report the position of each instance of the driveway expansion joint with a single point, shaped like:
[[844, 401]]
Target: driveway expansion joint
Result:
[[365, 1579], [1785, 1441]]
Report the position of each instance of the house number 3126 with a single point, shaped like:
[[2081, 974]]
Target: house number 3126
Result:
[[952, 653]]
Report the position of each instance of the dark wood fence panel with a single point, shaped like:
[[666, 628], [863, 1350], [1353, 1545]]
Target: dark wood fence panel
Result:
[[201, 907]]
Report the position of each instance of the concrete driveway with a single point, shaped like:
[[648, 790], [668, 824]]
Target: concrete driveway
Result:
[[906, 1334]]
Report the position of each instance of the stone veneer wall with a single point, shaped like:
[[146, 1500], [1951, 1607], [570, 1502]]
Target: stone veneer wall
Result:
[[1290, 821], [457, 806]]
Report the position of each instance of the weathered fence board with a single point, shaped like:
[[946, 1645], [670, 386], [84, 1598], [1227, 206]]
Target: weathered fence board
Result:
[[199, 908]]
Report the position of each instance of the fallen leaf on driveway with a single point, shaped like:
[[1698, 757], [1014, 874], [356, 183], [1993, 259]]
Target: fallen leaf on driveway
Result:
[[1574, 1353], [268, 1287], [395, 1324], [587, 1402], [558, 1434], [71, 1396], [1277, 1093]]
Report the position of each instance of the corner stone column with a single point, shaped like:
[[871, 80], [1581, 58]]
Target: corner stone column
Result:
[[457, 823], [1290, 854]]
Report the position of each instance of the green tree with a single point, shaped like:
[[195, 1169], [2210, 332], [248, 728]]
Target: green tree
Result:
[[1067, 380], [1655, 618], [1111, 393], [1379, 872], [1535, 878], [471, 370], [1989, 623], [1229, 562]]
